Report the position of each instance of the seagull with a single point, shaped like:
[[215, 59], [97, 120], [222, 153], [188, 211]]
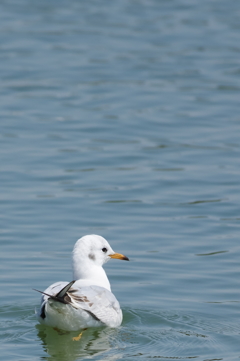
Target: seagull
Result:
[[87, 301]]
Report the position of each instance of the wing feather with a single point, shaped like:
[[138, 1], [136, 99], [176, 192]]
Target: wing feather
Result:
[[99, 302]]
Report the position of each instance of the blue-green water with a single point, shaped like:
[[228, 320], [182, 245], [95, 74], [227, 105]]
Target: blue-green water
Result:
[[122, 119]]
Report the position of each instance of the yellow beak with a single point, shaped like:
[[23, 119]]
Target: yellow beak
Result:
[[119, 256]]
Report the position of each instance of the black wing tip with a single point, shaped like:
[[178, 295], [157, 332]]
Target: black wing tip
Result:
[[43, 293], [60, 296], [69, 285], [34, 289], [65, 289]]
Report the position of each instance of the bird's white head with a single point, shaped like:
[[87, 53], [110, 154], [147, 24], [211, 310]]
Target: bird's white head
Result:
[[89, 254]]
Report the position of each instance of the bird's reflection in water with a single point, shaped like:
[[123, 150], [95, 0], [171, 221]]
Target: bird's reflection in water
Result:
[[59, 345]]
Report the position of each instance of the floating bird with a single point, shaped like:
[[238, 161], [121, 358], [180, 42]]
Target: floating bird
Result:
[[87, 301]]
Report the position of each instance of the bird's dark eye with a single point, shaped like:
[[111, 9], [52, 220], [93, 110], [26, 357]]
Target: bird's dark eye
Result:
[[104, 249]]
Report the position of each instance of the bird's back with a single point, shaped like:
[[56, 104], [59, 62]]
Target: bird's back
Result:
[[87, 306]]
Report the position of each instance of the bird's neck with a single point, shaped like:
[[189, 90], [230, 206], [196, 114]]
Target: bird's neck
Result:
[[92, 274]]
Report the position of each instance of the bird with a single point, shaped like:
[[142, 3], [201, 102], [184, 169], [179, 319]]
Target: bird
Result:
[[87, 301]]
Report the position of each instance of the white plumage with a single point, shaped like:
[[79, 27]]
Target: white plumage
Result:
[[88, 301]]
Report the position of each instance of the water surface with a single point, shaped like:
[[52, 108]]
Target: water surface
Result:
[[122, 119]]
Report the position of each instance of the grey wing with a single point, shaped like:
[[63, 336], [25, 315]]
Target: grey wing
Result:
[[99, 302]]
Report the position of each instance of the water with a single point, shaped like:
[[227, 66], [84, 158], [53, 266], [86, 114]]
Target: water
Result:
[[122, 119]]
